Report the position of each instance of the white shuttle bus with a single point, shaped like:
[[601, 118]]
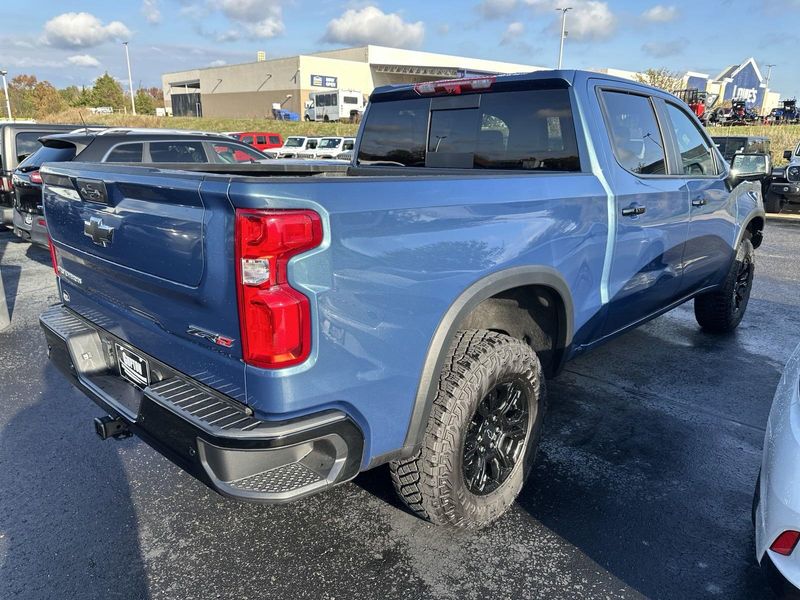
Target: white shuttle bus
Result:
[[336, 105]]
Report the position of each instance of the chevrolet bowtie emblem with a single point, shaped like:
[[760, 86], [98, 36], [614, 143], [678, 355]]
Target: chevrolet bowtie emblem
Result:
[[100, 233]]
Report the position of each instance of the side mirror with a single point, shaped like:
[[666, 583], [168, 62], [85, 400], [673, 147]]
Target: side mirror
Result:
[[787, 154], [750, 166]]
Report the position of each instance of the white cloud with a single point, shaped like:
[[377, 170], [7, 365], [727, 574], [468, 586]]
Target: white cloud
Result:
[[493, 9], [512, 33], [83, 60], [370, 25], [151, 12], [260, 18], [588, 19], [82, 30], [664, 49], [660, 13], [218, 63]]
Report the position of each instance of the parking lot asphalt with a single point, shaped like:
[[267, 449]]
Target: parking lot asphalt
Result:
[[642, 486]]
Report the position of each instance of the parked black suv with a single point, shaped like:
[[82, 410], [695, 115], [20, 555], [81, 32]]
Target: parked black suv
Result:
[[18, 140], [731, 145], [117, 146]]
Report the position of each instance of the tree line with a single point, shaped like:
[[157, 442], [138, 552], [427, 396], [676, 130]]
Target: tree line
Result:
[[32, 98]]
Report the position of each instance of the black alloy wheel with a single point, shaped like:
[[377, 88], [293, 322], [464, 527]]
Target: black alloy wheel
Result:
[[744, 279], [495, 438]]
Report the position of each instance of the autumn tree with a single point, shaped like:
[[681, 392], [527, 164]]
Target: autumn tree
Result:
[[661, 78], [108, 92], [46, 100], [145, 104]]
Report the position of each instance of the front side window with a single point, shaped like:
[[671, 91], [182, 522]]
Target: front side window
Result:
[[126, 153], [635, 136], [177, 152], [247, 139], [348, 145], [697, 157], [261, 139], [234, 153], [312, 144]]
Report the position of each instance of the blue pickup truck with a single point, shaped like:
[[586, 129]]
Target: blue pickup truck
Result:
[[276, 331]]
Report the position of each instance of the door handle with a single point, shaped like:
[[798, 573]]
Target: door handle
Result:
[[699, 202], [634, 210]]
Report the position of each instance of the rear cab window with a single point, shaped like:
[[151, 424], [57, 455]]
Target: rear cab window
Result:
[[519, 130], [27, 143]]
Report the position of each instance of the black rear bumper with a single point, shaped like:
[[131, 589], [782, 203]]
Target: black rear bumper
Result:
[[210, 436]]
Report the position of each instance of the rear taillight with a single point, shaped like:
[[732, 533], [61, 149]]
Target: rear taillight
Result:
[[274, 318], [5, 184], [784, 544], [53, 257], [35, 177]]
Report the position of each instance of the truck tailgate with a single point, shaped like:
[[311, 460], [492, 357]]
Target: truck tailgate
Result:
[[131, 249]]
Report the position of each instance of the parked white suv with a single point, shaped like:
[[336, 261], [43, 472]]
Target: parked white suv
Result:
[[292, 146], [328, 147]]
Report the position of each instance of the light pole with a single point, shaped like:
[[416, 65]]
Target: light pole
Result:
[[769, 74], [563, 32], [130, 79], [766, 87], [5, 92]]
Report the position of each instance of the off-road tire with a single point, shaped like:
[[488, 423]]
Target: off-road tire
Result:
[[717, 311], [773, 203], [432, 483]]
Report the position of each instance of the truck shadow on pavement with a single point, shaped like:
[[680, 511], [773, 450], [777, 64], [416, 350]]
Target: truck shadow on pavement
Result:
[[650, 455], [9, 275], [68, 525]]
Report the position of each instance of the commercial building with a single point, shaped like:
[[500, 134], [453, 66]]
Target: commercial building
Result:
[[743, 81], [251, 89]]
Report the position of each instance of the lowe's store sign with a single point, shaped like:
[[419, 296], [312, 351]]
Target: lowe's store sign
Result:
[[745, 83]]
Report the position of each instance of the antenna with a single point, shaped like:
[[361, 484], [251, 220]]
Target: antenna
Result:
[[86, 127]]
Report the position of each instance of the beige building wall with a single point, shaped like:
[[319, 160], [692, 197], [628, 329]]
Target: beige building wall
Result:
[[250, 89]]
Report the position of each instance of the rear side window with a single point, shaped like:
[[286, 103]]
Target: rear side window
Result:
[[233, 153], [697, 157], [261, 139], [274, 139], [177, 152], [47, 154], [126, 153], [635, 136], [312, 144], [519, 130]]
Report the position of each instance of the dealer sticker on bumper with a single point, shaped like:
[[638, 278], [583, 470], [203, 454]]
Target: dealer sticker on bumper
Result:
[[133, 367]]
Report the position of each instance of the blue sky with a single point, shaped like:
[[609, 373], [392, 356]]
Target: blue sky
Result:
[[72, 43]]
